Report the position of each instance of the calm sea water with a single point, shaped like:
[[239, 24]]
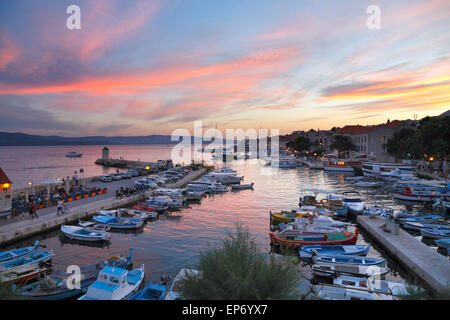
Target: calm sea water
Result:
[[175, 240]]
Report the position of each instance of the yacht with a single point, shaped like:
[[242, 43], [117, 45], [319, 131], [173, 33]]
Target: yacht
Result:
[[375, 169]]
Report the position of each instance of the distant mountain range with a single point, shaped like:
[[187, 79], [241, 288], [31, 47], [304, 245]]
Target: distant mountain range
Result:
[[22, 139]]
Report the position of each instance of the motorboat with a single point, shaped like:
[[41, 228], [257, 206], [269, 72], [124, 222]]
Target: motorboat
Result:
[[114, 283], [17, 253], [84, 234], [57, 287], [368, 184], [397, 174], [121, 213], [354, 203], [443, 243], [335, 204], [375, 169], [242, 186], [140, 213], [73, 154], [376, 211], [308, 251], [426, 218]]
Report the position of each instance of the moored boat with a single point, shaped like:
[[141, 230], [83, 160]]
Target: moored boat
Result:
[[115, 283], [426, 218], [443, 243], [153, 291], [119, 223], [84, 234], [419, 226], [17, 253], [349, 260], [57, 288], [331, 270], [299, 240], [73, 154], [434, 233], [308, 251]]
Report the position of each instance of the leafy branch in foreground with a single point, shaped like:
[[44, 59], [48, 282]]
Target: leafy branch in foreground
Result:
[[237, 270]]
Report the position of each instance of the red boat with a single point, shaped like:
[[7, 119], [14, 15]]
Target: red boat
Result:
[[143, 207], [298, 240]]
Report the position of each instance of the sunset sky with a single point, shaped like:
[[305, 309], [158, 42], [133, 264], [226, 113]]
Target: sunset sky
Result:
[[149, 67]]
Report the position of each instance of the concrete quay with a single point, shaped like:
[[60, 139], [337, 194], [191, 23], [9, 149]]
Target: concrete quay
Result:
[[423, 262], [23, 227]]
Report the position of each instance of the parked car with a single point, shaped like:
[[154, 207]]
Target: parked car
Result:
[[106, 178], [125, 175], [133, 173], [116, 176]]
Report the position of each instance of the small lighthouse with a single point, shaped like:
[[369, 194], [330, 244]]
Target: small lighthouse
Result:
[[105, 153]]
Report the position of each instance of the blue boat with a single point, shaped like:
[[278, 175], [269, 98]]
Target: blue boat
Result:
[[119, 223], [34, 258], [349, 260], [308, 251], [17, 253], [55, 287], [427, 218], [443, 243], [153, 291], [435, 234]]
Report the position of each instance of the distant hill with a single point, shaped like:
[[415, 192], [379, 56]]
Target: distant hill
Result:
[[22, 139]]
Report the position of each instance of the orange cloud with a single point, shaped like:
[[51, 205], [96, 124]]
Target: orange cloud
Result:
[[8, 51]]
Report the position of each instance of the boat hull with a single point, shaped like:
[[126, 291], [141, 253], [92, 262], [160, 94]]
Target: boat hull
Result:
[[287, 240]]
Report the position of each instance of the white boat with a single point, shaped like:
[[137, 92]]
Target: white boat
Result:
[[139, 213], [376, 211], [122, 213], [354, 203], [115, 283], [330, 270], [359, 288], [84, 234], [174, 293], [374, 169], [242, 186], [368, 184], [420, 190], [73, 154], [398, 174]]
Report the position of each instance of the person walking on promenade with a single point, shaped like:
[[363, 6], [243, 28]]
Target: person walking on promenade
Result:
[[33, 206], [30, 210]]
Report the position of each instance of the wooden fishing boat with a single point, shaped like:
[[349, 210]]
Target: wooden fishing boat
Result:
[[17, 253], [349, 260], [359, 288], [119, 223], [419, 226], [34, 258], [427, 218], [22, 273], [308, 251], [84, 234], [299, 240], [434, 233], [56, 287], [153, 291], [139, 213], [115, 283], [331, 270]]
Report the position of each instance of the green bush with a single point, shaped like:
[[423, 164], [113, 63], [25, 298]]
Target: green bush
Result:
[[237, 270]]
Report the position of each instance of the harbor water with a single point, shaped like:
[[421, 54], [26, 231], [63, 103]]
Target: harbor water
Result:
[[174, 241]]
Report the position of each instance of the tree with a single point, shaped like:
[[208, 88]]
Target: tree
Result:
[[343, 144], [433, 137], [237, 270], [401, 143], [299, 144]]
